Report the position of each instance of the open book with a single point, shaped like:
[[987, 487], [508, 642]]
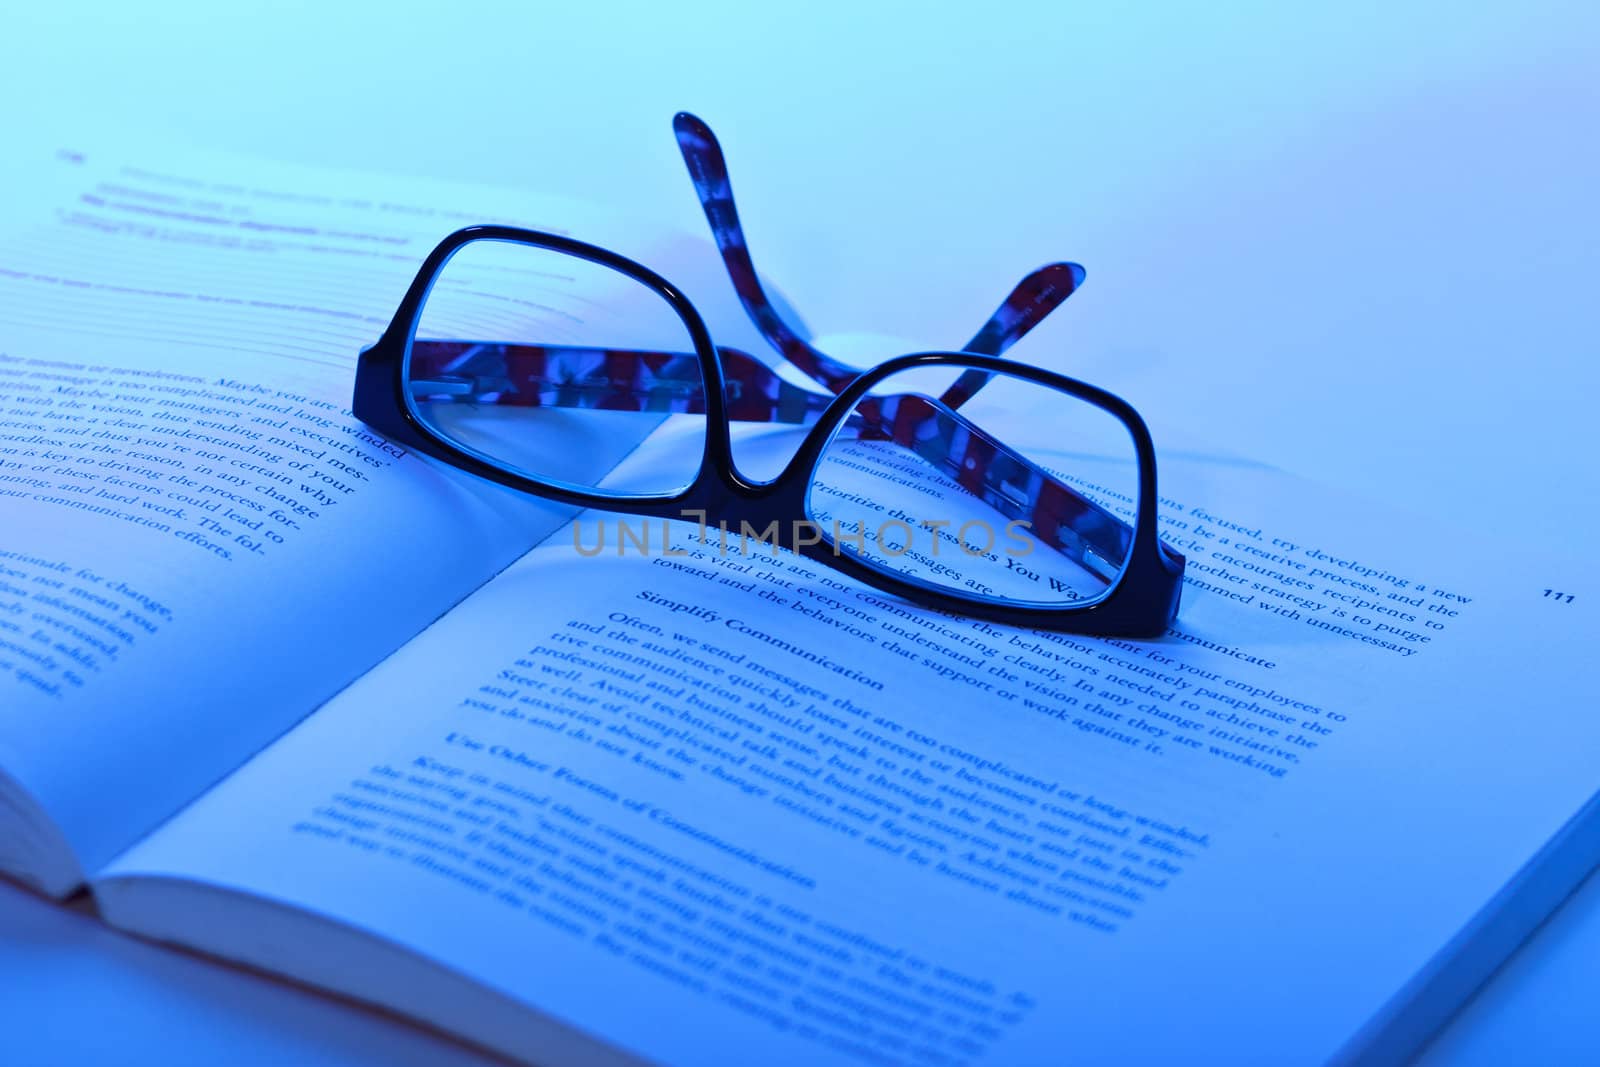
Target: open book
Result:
[[275, 690]]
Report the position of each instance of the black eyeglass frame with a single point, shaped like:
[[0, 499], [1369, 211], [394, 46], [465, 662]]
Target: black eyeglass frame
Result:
[[1142, 602]]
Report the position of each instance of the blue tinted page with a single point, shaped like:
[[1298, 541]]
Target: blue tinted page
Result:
[[735, 809], [198, 543]]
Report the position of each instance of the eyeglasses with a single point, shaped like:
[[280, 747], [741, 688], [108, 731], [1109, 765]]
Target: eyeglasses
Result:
[[570, 372]]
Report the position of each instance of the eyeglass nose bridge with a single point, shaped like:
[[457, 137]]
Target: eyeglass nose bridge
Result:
[[727, 498]]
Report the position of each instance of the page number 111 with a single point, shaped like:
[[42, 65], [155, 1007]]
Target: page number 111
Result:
[[1559, 598]]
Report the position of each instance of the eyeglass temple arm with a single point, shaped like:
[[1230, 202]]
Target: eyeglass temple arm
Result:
[[618, 379], [1038, 294], [709, 172], [1025, 307]]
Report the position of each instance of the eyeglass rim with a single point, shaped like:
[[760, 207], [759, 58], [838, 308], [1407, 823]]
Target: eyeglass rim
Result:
[[1149, 578]]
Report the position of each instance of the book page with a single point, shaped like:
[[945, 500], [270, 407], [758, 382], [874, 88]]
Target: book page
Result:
[[730, 801], [198, 543]]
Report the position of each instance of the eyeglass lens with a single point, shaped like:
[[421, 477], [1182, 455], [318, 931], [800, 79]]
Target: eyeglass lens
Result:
[[558, 369], [1023, 494]]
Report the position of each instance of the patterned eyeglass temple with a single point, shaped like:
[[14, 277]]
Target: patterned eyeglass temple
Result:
[[1033, 298]]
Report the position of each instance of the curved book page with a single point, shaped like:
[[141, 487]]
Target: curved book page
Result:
[[270, 936]]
